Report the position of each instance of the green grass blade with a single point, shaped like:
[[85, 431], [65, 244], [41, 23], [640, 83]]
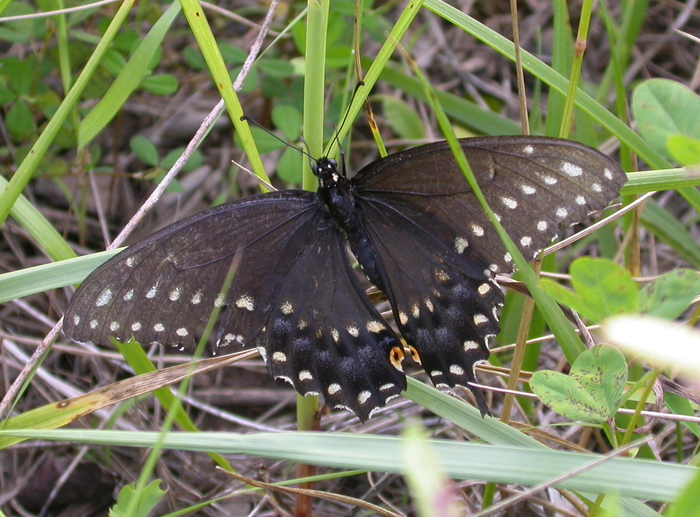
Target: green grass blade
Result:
[[127, 81], [38, 151]]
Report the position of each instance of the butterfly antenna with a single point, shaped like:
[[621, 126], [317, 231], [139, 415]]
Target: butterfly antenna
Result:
[[312, 161], [359, 85], [254, 122], [336, 133]]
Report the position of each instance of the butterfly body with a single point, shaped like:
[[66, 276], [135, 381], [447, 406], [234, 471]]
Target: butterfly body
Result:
[[276, 267]]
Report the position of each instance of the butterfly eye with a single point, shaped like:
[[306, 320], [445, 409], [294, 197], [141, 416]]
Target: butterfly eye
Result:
[[276, 270]]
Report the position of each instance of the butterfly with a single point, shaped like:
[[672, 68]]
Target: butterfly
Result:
[[275, 266]]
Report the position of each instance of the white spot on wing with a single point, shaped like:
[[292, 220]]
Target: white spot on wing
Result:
[[93, 324], [175, 294], [415, 310], [245, 302], [333, 388], [528, 149], [461, 244], [158, 327], [114, 326], [353, 330], [442, 276], [279, 357], [456, 369], [287, 308], [335, 335], [153, 291], [525, 241], [509, 202], [403, 318], [76, 320], [429, 304], [470, 345], [596, 187], [285, 379], [263, 353], [364, 396], [549, 180], [228, 339], [542, 226], [135, 327], [374, 326], [104, 298], [305, 375], [571, 169], [387, 386], [480, 319], [182, 332], [128, 295], [196, 298], [608, 174], [478, 230], [528, 190], [561, 212], [580, 200], [130, 262], [484, 288]]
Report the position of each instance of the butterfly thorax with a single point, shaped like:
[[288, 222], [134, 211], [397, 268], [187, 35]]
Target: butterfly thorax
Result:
[[336, 196]]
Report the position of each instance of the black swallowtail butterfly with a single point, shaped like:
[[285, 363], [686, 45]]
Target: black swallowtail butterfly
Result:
[[277, 266]]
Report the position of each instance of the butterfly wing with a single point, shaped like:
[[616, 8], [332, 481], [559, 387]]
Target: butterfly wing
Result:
[[324, 335], [163, 288], [428, 245], [276, 268], [535, 186], [444, 303]]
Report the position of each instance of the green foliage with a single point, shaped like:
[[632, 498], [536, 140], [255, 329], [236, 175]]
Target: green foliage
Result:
[[602, 289], [158, 167], [670, 295], [592, 392], [402, 119], [133, 502], [664, 109], [684, 149], [688, 502], [433, 493]]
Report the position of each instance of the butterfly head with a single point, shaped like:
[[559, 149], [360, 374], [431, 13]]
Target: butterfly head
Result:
[[326, 170]]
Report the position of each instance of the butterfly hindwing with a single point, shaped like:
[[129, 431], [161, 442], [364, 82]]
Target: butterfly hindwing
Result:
[[324, 336], [444, 303]]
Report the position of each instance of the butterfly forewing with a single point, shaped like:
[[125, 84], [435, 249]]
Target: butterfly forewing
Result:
[[534, 185], [165, 287]]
